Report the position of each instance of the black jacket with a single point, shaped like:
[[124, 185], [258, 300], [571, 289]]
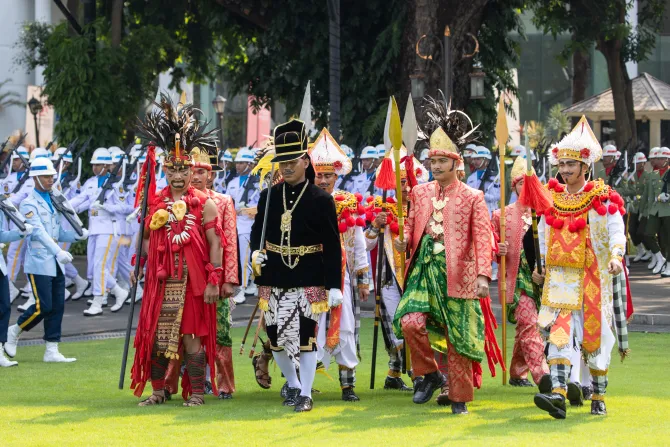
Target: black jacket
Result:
[[314, 222]]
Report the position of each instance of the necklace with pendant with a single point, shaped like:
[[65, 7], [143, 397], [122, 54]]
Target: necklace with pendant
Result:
[[285, 227]]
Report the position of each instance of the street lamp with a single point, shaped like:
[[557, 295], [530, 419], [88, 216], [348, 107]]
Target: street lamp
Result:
[[35, 107], [477, 84], [219, 104]]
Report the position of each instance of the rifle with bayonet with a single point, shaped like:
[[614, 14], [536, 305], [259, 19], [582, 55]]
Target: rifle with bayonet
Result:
[[68, 149], [113, 176], [12, 213], [25, 177], [9, 155], [72, 172], [128, 181], [62, 205]]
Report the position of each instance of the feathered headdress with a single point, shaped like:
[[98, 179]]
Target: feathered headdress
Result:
[[448, 130], [263, 165], [177, 130]]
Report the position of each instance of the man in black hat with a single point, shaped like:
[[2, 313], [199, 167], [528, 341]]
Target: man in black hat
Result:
[[298, 263]]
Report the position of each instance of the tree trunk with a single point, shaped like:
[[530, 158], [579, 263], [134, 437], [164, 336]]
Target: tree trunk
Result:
[[580, 66], [117, 22], [624, 114]]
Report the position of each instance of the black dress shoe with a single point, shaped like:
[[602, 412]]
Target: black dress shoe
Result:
[[395, 383], [598, 408], [432, 381], [417, 383], [553, 403], [168, 395], [459, 408], [292, 395], [520, 382], [304, 403], [223, 395], [575, 395], [208, 388], [545, 384], [283, 390], [348, 395], [587, 391]]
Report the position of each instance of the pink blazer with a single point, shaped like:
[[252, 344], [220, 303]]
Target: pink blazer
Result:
[[515, 228], [468, 238]]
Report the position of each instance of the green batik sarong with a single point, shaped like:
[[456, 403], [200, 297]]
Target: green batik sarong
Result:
[[426, 292], [524, 283], [223, 323]]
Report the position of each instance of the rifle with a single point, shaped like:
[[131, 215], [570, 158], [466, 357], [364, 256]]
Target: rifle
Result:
[[62, 205], [67, 151], [9, 156], [113, 176], [25, 177], [74, 167], [12, 214], [488, 173], [128, 181]]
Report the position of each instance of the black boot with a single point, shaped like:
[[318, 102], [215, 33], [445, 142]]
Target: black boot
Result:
[[459, 408], [545, 384], [283, 390], [587, 391], [598, 408], [553, 403], [431, 382], [304, 403], [223, 395], [520, 382], [208, 387], [348, 395], [291, 397], [395, 383], [575, 395]]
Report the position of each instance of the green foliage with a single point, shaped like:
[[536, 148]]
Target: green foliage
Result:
[[557, 122]]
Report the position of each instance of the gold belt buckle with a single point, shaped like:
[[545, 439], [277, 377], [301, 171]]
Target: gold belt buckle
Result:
[[301, 250]]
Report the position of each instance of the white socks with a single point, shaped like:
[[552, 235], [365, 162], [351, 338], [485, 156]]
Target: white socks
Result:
[[288, 368], [307, 372]]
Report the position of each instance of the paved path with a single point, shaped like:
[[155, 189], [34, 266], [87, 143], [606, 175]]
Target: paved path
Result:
[[651, 297]]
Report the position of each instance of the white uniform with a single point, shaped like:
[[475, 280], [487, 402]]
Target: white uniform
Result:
[[491, 189], [236, 189], [17, 249]]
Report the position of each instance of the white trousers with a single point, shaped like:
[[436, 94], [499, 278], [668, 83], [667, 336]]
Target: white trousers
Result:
[[16, 253], [345, 351], [245, 257], [105, 257]]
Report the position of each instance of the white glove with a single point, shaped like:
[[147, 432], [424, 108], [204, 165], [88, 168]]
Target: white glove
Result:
[[64, 257], [97, 206], [334, 298], [664, 197], [258, 259], [133, 216], [84, 235], [29, 230]]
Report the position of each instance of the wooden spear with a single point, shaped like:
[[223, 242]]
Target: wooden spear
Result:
[[502, 134]]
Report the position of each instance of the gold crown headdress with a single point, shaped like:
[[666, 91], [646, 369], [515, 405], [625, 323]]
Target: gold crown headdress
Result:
[[580, 144], [178, 131]]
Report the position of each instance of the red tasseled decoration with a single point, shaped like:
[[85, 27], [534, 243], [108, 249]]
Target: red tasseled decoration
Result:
[[622, 210], [409, 168], [558, 224], [389, 218], [378, 210], [559, 188], [386, 178], [595, 203], [552, 183], [360, 210], [534, 195], [550, 220], [360, 222], [368, 216], [351, 221], [390, 200], [616, 198], [581, 223], [175, 248], [161, 274], [601, 210], [369, 199], [359, 197], [339, 197], [195, 202], [588, 187], [345, 213], [572, 228], [161, 248], [342, 227], [612, 208], [491, 348], [394, 227]]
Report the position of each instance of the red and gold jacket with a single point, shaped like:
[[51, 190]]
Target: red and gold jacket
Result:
[[228, 220]]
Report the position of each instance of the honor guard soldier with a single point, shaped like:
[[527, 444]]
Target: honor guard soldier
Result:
[[364, 183], [656, 193], [632, 190], [299, 266], [245, 192], [44, 263], [483, 179]]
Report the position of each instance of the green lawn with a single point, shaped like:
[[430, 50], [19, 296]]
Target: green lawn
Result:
[[79, 404]]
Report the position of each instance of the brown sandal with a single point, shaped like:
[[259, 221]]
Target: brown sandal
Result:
[[263, 379], [154, 399], [195, 401]]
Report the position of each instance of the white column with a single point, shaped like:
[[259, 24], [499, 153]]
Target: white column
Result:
[[654, 132], [631, 18], [42, 14]]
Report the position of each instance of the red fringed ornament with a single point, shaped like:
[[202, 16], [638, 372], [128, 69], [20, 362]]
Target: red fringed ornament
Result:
[[612, 208], [588, 187], [360, 222], [386, 178], [342, 227], [409, 168], [359, 197], [558, 224], [601, 210], [395, 229], [534, 195], [550, 220], [350, 221]]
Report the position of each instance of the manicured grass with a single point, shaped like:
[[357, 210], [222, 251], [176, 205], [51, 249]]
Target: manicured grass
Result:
[[80, 405]]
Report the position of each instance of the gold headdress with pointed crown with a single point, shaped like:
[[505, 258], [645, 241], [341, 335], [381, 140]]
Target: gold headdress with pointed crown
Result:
[[580, 144], [519, 169], [178, 131]]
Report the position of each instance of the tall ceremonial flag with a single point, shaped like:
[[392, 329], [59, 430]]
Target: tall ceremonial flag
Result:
[[502, 135], [147, 188]]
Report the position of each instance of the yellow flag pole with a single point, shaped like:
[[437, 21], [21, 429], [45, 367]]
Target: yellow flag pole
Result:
[[502, 134], [395, 134]]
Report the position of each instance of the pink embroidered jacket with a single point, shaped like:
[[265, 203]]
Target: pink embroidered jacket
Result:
[[468, 239], [228, 221], [515, 229]]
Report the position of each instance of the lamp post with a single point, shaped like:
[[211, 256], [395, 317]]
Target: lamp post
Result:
[[219, 104], [35, 107]]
